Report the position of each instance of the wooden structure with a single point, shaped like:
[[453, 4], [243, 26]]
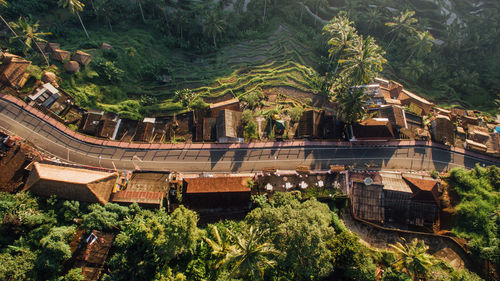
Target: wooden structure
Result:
[[443, 130], [60, 55], [71, 183], [373, 130], [217, 192], [229, 126], [82, 58], [90, 121], [216, 108], [146, 188], [145, 130], [310, 124], [13, 71]]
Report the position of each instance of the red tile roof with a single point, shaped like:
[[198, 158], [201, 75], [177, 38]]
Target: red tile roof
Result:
[[217, 185], [423, 190], [144, 197]]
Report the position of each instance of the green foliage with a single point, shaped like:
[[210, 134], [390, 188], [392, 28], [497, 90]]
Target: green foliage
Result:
[[17, 263], [149, 241], [477, 212], [109, 70], [105, 218], [54, 251], [295, 113], [74, 274]]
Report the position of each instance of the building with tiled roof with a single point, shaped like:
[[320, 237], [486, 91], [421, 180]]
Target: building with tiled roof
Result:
[[71, 183], [216, 192]]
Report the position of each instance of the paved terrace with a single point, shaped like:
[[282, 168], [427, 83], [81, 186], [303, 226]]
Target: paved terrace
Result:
[[54, 138]]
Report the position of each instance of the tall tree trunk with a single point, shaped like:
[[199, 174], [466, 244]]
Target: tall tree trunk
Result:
[[84, 29], [93, 7], [142, 12], [43, 53], [265, 7], [215, 42], [109, 23], [8, 25]]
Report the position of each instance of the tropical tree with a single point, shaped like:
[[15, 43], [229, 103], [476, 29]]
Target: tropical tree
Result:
[[421, 43], [28, 33], [221, 246], [341, 33], [352, 103], [250, 256], [75, 7], [404, 23], [413, 258], [213, 26], [363, 61]]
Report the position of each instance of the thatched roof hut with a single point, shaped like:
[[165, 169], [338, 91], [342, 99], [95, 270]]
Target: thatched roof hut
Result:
[[72, 66], [71, 183], [105, 46], [51, 47], [60, 55], [13, 71], [49, 77], [82, 58]]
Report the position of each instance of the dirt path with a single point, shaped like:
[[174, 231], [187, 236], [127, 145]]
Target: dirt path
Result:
[[440, 247]]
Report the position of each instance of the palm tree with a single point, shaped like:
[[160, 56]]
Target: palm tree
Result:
[[250, 256], [413, 258], [28, 34], [404, 23], [213, 26], [341, 33], [422, 43], [363, 61], [352, 101], [75, 7], [414, 69], [221, 246]]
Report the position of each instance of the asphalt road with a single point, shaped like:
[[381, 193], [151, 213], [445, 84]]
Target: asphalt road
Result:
[[49, 139]]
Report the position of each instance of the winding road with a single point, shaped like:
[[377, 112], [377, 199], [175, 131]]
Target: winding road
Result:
[[53, 138]]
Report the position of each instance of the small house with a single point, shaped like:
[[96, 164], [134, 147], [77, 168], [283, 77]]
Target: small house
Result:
[[378, 129], [82, 58], [310, 124], [45, 95], [475, 146], [145, 130], [92, 254], [216, 108], [443, 130], [220, 192], [108, 125], [90, 121], [415, 102], [209, 129], [479, 134], [146, 188], [72, 66], [395, 114], [71, 183], [60, 55], [229, 126], [52, 47], [13, 71]]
